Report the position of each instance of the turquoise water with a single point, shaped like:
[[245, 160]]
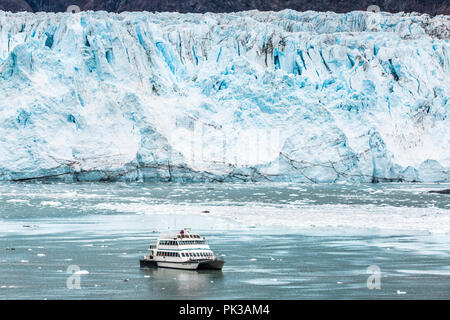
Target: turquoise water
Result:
[[283, 241]]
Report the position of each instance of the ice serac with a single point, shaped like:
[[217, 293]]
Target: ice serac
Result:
[[273, 96]]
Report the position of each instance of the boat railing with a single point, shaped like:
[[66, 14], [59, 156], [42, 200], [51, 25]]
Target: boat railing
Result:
[[153, 246]]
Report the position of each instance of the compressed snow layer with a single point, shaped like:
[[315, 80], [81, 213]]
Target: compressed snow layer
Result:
[[283, 96]]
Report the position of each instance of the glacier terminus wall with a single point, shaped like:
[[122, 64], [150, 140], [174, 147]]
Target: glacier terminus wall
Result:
[[248, 96]]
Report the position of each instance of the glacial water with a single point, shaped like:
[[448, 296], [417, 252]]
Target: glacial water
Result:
[[280, 240]]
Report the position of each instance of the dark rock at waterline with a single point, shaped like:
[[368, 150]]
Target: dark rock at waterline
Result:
[[444, 191]]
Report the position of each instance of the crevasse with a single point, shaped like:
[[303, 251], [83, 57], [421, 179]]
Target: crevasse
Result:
[[248, 96]]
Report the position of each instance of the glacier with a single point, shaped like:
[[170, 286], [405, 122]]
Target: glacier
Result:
[[247, 96]]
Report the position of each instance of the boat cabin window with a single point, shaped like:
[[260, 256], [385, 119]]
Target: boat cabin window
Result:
[[168, 242], [195, 242], [168, 254]]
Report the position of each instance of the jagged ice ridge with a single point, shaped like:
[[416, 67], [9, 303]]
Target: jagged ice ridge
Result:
[[260, 96]]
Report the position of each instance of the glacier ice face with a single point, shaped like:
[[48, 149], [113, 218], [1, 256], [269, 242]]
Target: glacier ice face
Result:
[[278, 96]]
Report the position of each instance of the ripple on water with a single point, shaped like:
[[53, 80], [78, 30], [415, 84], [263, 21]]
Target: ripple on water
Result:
[[267, 282]]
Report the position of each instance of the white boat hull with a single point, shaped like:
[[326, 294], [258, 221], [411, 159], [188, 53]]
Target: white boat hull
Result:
[[186, 265], [178, 265]]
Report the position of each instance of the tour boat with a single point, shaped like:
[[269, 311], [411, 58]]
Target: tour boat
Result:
[[184, 250]]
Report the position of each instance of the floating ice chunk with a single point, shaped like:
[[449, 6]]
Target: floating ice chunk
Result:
[[17, 201], [82, 272], [51, 203]]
